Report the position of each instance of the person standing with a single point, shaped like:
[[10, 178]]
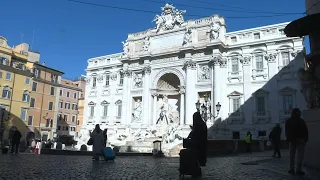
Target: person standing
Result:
[[105, 136], [16, 141], [275, 137], [98, 142], [248, 141], [297, 136], [200, 137]]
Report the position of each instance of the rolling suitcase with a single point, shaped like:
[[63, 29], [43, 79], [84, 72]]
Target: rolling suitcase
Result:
[[108, 154], [189, 164]]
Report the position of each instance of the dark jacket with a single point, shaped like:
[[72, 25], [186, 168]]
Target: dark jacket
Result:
[[296, 128], [16, 137], [275, 134]]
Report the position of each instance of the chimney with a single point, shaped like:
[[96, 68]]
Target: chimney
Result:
[[44, 63]]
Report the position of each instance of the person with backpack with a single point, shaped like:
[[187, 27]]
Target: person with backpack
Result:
[[297, 136]]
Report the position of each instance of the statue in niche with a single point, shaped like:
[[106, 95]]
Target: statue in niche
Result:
[[146, 44], [203, 73], [137, 81], [163, 118], [214, 31], [125, 47], [187, 38], [137, 111]]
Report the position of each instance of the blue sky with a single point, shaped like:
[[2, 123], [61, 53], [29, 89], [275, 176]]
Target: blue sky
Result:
[[67, 34]]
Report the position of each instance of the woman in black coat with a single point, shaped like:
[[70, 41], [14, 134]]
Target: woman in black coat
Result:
[[200, 137]]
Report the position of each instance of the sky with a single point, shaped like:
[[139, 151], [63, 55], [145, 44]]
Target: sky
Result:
[[68, 33]]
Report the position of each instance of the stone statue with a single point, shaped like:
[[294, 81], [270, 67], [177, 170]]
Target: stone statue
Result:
[[307, 83], [163, 118], [187, 38], [214, 31], [137, 111], [137, 81], [146, 44], [125, 47], [169, 18], [203, 73]]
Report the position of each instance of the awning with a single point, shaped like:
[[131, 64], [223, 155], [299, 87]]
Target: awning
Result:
[[303, 26]]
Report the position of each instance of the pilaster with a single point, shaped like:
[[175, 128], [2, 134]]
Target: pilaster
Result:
[[146, 93], [190, 67], [246, 66]]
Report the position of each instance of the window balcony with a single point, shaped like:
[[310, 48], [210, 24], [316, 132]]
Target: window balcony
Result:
[[236, 118], [104, 119], [259, 73], [261, 117], [235, 75]]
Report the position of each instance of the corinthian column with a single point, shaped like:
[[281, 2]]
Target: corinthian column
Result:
[[146, 94], [125, 97], [190, 68], [182, 91], [216, 81]]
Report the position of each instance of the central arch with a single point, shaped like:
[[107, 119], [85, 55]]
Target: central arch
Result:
[[164, 73], [168, 81]]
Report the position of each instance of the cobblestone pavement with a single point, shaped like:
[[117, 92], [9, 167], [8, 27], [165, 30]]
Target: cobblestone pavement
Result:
[[28, 166]]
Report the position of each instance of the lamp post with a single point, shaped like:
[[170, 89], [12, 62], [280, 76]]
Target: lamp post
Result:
[[205, 109]]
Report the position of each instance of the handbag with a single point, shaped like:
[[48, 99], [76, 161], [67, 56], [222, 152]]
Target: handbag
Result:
[[269, 143], [90, 142]]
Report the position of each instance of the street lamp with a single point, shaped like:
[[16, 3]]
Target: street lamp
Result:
[[205, 108]]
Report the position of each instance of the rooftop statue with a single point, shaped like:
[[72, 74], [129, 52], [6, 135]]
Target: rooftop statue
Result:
[[169, 18]]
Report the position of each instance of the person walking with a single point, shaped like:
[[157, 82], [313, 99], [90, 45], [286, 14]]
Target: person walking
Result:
[[98, 142], [297, 135], [248, 141], [275, 137], [16, 141]]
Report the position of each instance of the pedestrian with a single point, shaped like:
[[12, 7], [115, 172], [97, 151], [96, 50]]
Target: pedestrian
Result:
[[200, 137], [98, 142], [297, 135], [105, 136], [248, 141], [16, 141], [275, 138]]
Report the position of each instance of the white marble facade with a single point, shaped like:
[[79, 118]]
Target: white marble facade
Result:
[[149, 90]]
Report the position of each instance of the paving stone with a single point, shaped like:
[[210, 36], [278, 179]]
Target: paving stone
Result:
[[24, 166]]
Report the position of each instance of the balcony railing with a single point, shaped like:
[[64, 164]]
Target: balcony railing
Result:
[[261, 117], [236, 118], [235, 75], [259, 73]]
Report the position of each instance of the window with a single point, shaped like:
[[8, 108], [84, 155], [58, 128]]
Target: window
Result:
[[50, 108], [91, 113], [67, 105], [30, 120], [60, 117], [261, 104], [235, 64], [68, 94], [65, 117], [78, 122], [287, 103], [94, 82], [67, 128], [262, 133], [233, 39], [27, 81], [6, 93], [36, 73], [53, 78], [32, 102], [107, 80], [105, 106], [25, 96], [121, 79], [285, 58], [61, 104], [8, 76], [75, 95], [73, 107], [23, 114], [0, 74], [61, 92], [236, 135], [52, 91], [76, 107], [259, 62], [59, 128], [119, 108], [48, 122], [34, 86], [236, 105], [73, 118], [256, 36]]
